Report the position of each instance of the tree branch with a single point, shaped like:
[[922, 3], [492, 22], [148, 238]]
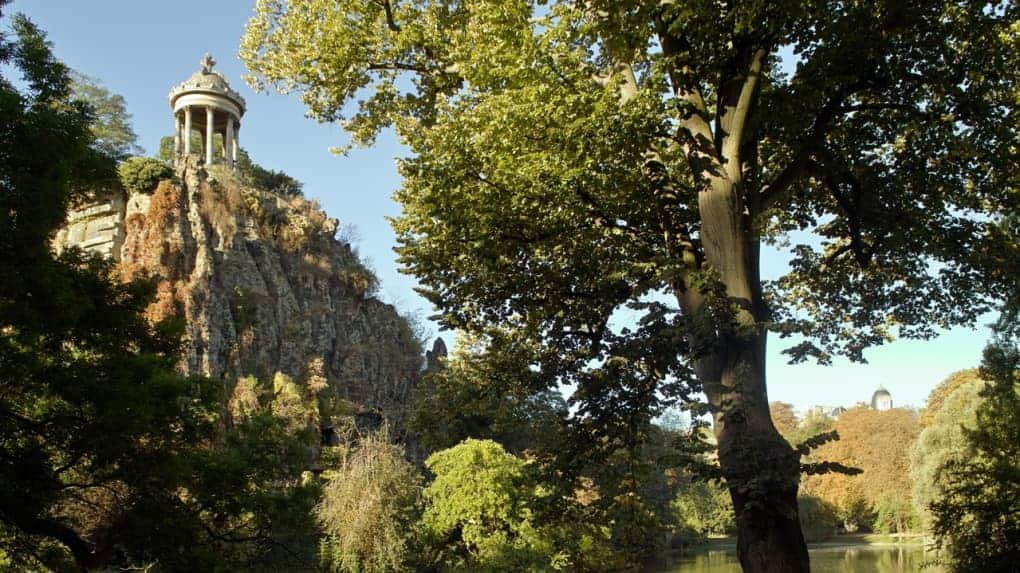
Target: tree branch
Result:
[[390, 22], [734, 118], [880, 106], [695, 123], [778, 189], [400, 66]]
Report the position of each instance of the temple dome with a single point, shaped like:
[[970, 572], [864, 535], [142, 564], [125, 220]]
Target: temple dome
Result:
[[207, 81], [881, 399]]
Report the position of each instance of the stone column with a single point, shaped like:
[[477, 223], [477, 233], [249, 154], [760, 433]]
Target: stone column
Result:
[[187, 130], [228, 142], [236, 144], [209, 120], [177, 135]]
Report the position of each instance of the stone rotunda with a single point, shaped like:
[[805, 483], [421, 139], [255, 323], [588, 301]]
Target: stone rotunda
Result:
[[206, 103]]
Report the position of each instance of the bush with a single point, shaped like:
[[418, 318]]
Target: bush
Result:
[[895, 514], [702, 508], [479, 513], [368, 508], [141, 174], [263, 179], [818, 519]]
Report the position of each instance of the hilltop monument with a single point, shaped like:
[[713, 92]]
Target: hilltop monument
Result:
[[269, 296], [205, 102]]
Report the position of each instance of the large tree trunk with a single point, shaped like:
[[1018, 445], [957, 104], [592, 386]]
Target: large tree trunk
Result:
[[762, 471]]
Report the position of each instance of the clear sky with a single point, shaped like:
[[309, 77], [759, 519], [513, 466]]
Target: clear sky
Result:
[[141, 48]]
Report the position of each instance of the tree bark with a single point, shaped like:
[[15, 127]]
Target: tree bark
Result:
[[762, 471]]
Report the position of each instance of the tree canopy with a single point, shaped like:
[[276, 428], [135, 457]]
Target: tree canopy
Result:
[[977, 511], [942, 438], [876, 442], [111, 122], [573, 160], [92, 415]]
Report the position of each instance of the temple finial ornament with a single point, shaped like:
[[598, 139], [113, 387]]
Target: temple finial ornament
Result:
[[207, 64]]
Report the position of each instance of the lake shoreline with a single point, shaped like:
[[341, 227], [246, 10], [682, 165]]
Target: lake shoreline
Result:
[[859, 553], [844, 540]]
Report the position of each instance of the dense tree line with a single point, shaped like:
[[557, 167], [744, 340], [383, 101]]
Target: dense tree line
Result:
[[949, 471]]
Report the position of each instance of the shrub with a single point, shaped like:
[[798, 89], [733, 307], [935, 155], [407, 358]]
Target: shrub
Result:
[[141, 174], [264, 179], [818, 518], [479, 512], [368, 508], [895, 514]]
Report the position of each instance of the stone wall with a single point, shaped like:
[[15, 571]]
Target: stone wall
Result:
[[96, 227]]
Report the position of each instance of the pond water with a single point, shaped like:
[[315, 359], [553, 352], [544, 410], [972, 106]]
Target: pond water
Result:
[[842, 559]]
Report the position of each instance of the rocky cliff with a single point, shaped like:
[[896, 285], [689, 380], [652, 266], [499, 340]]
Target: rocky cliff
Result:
[[264, 286]]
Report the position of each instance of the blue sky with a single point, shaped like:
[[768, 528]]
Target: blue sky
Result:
[[140, 49]]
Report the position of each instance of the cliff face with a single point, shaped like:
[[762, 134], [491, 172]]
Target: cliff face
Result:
[[263, 285]]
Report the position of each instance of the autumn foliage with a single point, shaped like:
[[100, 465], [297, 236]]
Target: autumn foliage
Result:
[[876, 442]]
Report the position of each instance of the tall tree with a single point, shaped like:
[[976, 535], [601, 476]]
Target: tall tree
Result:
[[977, 509], [571, 159], [977, 513], [87, 390], [942, 437], [111, 122]]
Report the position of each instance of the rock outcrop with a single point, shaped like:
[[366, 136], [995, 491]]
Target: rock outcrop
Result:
[[264, 286]]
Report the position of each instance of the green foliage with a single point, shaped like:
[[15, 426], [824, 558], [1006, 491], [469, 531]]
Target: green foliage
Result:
[[256, 176], [295, 405], [577, 97], [251, 173], [166, 146], [942, 441], [76, 354], [108, 457], [938, 396], [368, 508], [978, 512], [894, 513], [574, 162], [484, 395], [703, 508], [141, 174], [479, 512], [111, 122]]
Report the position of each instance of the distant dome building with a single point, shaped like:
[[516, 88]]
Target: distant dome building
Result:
[[881, 399], [206, 103]]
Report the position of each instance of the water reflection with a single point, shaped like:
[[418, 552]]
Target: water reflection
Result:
[[854, 559]]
